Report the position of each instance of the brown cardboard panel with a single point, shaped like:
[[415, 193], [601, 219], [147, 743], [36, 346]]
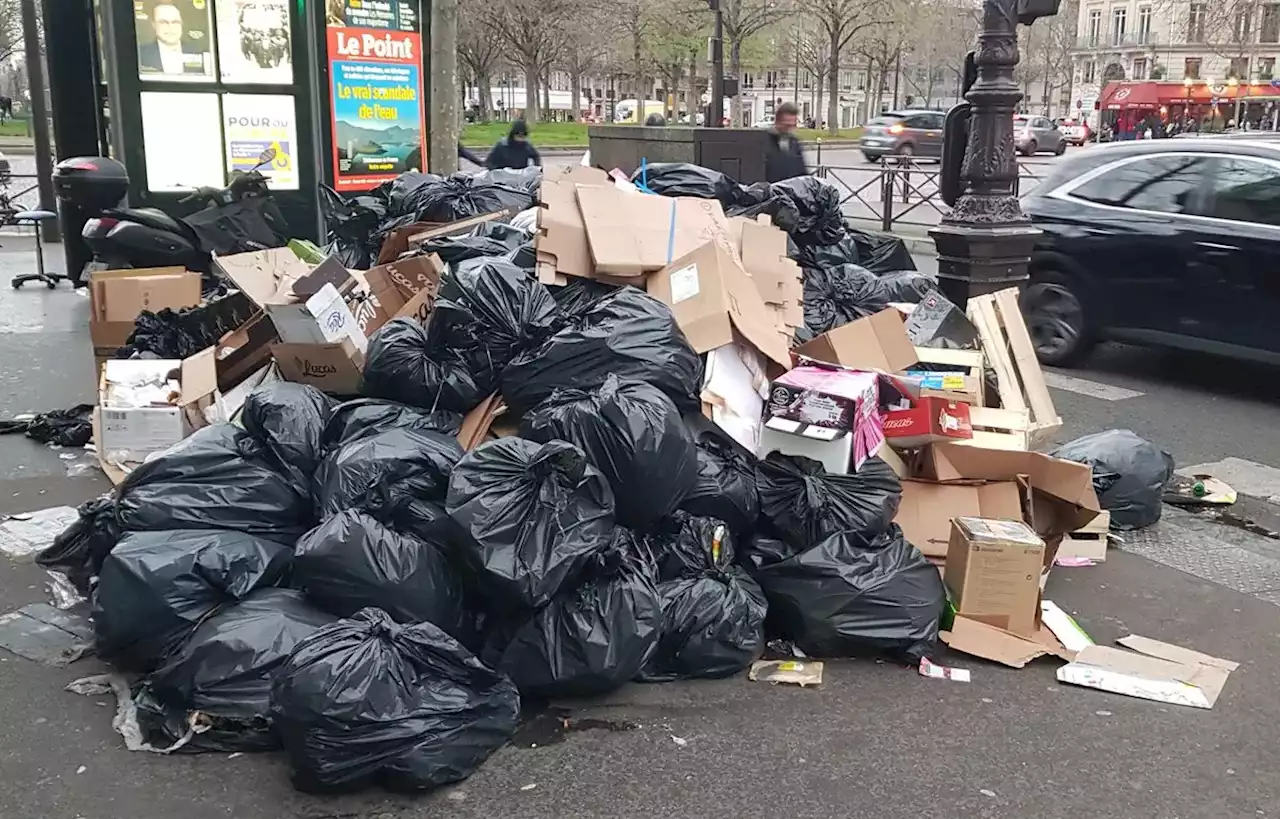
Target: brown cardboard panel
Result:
[[993, 571], [876, 342], [331, 368], [117, 297], [927, 509], [992, 643], [631, 234], [561, 242], [477, 422]]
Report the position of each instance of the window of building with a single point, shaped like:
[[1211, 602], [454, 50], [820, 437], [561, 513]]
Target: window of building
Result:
[[1266, 67], [771, 79], [1191, 68], [860, 81], [806, 78], [1164, 184], [1144, 25], [1095, 27], [1270, 29], [748, 80], [1090, 71], [1244, 190], [1140, 68], [1195, 23], [1119, 19], [1239, 68], [1241, 24], [846, 80]]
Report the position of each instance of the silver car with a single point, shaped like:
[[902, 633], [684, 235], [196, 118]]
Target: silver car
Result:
[[1035, 135]]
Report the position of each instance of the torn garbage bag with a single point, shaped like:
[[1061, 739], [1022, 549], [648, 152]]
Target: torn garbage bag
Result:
[[726, 484], [629, 334], [592, 638], [220, 477], [156, 587], [79, 550], [462, 196], [835, 296], [713, 613], [352, 561], [406, 364], [428, 712], [532, 516], [633, 434], [855, 595], [806, 504], [362, 417], [1129, 474], [399, 477], [818, 206], [489, 239], [684, 179], [219, 680], [289, 419]]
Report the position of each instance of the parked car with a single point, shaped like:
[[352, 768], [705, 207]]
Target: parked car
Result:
[[1165, 242], [1074, 131], [1034, 134], [903, 133]]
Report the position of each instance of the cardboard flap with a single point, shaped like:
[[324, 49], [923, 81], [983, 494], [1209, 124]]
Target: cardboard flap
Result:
[[431, 231], [561, 240], [1176, 654], [876, 342], [631, 234], [265, 276], [477, 422], [990, 643], [199, 375], [328, 271], [120, 295]]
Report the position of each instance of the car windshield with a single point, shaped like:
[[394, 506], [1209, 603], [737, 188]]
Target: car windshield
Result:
[[886, 120]]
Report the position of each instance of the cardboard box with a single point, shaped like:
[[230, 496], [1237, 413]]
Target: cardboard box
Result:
[[334, 368], [322, 319], [931, 420], [876, 342], [407, 288], [129, 434], [993, 573], [963, 380], [829, 398], [631, 234], [561, 241], [763, 249], [830, 447], [927, 509], [1152, 670], [712, 297], [118, 297]]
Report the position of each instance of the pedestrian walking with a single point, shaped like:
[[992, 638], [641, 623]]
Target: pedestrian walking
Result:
[[785, 156], [515, 150]]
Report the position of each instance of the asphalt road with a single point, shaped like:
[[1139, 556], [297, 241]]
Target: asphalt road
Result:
[[874, 740]]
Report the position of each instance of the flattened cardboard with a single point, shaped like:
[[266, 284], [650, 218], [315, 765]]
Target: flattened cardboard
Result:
[[631, 234], [118, 297], [477, 423], [711, 297], [332, 368], [1158, 671], [265, 276], [397, 241], [561, 241], [927, 509], [876, 342], [993, 571], [461, 226], [777, 277], [991, 643]]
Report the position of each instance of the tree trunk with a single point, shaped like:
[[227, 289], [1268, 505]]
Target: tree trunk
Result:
[[735, 70], [872, 104], [442, 155], [819, 83], [531, 90], [833, 80], [575, 95], [484, 91], [694, 103], [1044, 95], [637, 65], [546, 96]]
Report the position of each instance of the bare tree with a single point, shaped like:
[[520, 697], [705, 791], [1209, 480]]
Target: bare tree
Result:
[[480, 51], [945, 32], [842, 21], [533, 30], [813, 54], [676, 44], [744, 19]]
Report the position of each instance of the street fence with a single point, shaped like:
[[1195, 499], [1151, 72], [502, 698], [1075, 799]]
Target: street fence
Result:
[[900, 190]]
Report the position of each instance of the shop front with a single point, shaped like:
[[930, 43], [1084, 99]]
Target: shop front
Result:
[[1128, 109]]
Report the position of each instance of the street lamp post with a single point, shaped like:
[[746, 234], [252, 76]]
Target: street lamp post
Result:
[[984, 244], [717, 67]]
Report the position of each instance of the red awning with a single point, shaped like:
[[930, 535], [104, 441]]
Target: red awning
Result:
[[1118, 96]]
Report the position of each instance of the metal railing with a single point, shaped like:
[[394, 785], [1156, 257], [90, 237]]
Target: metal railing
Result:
[[901, 190]]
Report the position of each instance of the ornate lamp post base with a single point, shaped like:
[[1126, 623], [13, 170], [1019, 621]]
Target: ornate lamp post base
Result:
[[974, 260]]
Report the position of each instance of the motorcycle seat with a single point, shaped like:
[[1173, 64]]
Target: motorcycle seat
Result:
[[152, 218]]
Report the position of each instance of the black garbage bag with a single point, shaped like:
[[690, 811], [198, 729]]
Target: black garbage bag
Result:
[[939, 324], [759, 198], [633, 434], [527, 179], [462, 196], [806, 505], [578, 296], [629, 334], [63, 427], [592, 638], [427, 712], [881, 252], [853, 595], [400, 477], [761, 550], [713, 613], [402, 193], [289, 419], [220, 678], [220, 477], [351, 225], [818, 205], [361, 417], [406, 364], [685, 179], [489, 239], [532, 516], [1130, 474], [352, 561], [156, 587], [489, 310], [835, 296], [79, 550], [726, 484]]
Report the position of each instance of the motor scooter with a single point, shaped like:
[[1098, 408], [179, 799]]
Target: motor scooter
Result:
[[238, 218]]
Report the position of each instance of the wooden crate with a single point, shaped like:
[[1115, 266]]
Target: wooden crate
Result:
[[1008, 346], [1089, 541], [999, 429]]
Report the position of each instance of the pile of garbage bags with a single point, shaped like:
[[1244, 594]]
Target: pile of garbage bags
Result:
[[258, 574]]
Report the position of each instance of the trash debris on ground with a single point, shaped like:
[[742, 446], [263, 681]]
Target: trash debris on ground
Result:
[[26, 533], [523, 435], [1151, 670], [65, 427], [942, 672], [1198, 490]]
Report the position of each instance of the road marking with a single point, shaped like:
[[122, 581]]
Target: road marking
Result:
[[1091, 388], [1246, 477]]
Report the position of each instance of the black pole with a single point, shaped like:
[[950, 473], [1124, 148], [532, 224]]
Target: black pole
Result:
[[717, 67], [985, 242], [39, 116]]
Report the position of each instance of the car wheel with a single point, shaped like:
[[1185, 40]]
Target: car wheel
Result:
[[873, 158], [906, 150], [1031, 148], [1056, 319], [1062, 148]]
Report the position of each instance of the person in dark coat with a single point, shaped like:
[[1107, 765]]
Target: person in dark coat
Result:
[[470, 156], [516, 151], [785, 157]]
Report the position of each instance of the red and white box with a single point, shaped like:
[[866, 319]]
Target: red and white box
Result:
[[929, 421]]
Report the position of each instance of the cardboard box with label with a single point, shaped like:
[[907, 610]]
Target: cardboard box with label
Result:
[[118, 297], [335, 368], [813, 401], [993, 572], [631, 234], [127, 431], [715, 302], [930, 420], [927, 509]]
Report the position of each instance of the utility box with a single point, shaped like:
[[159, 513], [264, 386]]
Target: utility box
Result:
[[737, 152]]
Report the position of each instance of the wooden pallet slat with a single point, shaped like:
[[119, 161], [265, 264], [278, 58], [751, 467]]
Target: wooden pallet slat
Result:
[[1024, 353], [983, 314], [998, 429]]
